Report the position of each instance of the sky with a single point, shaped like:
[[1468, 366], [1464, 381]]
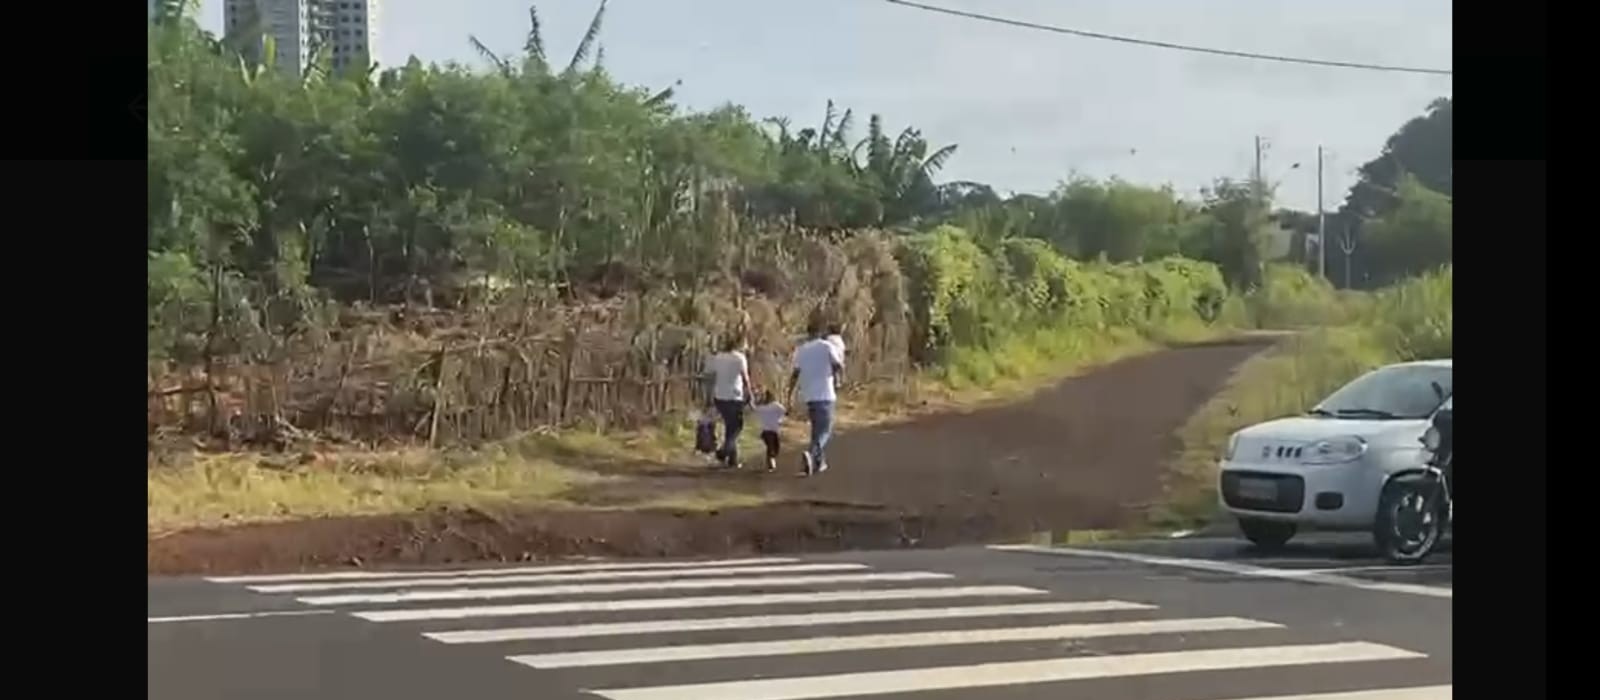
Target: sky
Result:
[[1026, 108]]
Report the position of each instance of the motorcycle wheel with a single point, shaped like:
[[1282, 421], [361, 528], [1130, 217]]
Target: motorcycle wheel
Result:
[[1408, 528]]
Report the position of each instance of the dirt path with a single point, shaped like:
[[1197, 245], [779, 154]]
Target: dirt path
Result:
[[1085, 454], [1077, 455]]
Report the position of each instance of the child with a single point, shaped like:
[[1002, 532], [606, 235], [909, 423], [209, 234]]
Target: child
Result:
[[835, 338], [770, 413]]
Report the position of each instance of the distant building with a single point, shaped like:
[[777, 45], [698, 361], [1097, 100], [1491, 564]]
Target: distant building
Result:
[[345, 30], [352, 30]]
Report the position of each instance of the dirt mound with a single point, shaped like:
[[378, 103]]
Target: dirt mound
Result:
[[1085, 454], [458, 537]]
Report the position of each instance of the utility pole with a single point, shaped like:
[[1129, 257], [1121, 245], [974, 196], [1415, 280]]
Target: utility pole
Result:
[[1322, 233]]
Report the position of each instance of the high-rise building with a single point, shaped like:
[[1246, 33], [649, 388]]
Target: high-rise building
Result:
[[342, 29], [352, 27]]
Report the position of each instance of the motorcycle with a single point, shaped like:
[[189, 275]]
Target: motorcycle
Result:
[[1417, 508]]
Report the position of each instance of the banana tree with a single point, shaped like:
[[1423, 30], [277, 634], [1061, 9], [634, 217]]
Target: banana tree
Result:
[[902, 171]]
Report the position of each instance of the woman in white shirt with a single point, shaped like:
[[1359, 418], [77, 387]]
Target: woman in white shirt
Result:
[[729, 375]]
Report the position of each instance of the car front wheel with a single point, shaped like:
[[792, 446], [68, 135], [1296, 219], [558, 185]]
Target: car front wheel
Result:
[[1267, 534]]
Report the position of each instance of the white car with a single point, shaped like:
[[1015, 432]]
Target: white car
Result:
[[1326, 469]]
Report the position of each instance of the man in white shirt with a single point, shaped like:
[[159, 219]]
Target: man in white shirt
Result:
[[729, 374], [816, 365]]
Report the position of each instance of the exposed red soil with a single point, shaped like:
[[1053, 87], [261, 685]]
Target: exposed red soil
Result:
[[1085, 454]]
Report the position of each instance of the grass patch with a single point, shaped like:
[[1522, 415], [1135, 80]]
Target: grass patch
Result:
[[210, 490], [530, 472], [1018, 366]]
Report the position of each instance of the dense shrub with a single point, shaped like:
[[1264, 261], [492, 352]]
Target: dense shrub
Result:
[[1291, 297], [948, 280], [1415, 320], [964, 297]]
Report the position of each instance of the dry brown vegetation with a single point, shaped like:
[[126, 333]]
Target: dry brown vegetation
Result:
[[524, 360]]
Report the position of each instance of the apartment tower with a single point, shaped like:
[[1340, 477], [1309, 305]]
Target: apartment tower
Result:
[[344, 30]]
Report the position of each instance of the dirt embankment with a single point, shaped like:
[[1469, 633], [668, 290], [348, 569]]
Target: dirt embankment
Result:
[[1085, 454]]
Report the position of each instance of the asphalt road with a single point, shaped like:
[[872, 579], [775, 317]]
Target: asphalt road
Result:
[[1204, 619]]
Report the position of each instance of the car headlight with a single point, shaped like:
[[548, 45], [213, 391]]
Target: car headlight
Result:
[[1233, 446], [1430, 439], [1335, 450]]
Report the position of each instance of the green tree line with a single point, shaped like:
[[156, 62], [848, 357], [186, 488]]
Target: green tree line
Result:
[[272, 196]]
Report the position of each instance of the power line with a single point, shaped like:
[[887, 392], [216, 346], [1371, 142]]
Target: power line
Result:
[[1170, 45]]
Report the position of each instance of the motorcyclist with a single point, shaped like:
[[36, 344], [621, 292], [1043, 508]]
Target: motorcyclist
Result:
[[1444, 424]]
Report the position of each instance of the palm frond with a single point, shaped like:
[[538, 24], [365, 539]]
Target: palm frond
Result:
[[533, 46], [933, 163], [500, 64], [855, 153], [825, 133], [586, 45], [663, 96], [842, 129], [906, 142]]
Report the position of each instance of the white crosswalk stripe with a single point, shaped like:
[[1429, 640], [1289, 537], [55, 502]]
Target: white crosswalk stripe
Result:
[[514, 634], [557, 578], [1013, 673], [721, 601], [505, 571], [817, 645], [593, 589], [602, 619]]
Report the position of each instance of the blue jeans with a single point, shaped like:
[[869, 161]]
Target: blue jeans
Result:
[[821, 416], [733, 424]]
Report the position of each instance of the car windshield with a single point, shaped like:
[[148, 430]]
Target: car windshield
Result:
[[1401, 391]]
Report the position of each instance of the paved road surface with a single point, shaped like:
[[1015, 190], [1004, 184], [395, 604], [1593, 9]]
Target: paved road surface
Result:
[[1202, 620]]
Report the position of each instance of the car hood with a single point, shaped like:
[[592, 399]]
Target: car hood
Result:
[[1307, 429]]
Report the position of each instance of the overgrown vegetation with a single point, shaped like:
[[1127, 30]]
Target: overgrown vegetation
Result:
[[1021, 308], [1410, 321]]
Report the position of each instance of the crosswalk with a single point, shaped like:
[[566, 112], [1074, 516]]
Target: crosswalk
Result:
[[774, 628]]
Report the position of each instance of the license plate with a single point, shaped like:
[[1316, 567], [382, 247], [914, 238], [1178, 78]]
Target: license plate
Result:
[[1258, 489]]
